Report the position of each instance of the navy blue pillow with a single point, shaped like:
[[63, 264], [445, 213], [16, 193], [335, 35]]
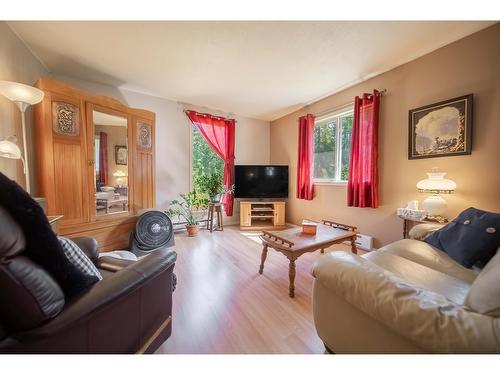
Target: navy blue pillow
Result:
[[472, 237]]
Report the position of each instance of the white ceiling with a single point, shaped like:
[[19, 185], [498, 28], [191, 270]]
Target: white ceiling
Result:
[[262, 70]]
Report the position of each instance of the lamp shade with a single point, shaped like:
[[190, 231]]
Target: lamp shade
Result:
[[436, 184], [18, 92], [9, 150], [119, 173]]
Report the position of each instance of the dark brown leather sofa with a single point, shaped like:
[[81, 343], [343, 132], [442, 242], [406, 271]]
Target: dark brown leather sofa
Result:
[[129, 311]]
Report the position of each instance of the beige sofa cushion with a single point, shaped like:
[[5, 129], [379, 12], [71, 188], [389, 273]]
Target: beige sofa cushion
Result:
[[429, 320], [484, 294], [422, 231], [421, 276], [427, 255]]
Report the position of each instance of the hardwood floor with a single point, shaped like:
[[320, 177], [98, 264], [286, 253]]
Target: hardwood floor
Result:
[[222, 305]]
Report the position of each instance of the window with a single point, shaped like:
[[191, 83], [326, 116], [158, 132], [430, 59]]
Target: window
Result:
[[204, 160], [97, 147], [332, 145]]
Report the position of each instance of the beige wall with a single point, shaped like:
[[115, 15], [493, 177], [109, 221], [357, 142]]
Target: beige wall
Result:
[[470, 65], [19, 65]]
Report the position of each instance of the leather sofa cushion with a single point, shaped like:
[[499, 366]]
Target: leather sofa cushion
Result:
[[421, 276], [472, 237], [422, 231], [427, 319], [42, 245], [427, 255], [484, 294], [28, 294], [12, 239]]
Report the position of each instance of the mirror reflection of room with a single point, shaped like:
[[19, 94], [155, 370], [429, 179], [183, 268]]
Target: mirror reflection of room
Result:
[[111, 163]]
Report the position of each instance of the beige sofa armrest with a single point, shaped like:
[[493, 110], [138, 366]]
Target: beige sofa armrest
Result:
[[427, 319], [422, 231]]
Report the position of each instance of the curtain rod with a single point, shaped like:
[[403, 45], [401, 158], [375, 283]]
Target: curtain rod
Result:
[[208, 114], [324, 112]]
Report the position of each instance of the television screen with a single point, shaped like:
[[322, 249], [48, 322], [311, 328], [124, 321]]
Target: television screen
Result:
[[261, 181]]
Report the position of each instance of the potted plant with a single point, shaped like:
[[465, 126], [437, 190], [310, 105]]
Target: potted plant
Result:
[[212, 185], [188, 206]]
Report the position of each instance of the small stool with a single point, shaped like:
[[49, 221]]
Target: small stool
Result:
[[217, 207]]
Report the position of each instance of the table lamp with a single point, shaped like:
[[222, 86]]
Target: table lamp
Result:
[[435, 184], [23, 96], [119, 174]]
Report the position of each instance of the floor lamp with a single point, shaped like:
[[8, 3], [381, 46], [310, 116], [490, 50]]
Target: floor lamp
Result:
[[9, 150], [23, 96]]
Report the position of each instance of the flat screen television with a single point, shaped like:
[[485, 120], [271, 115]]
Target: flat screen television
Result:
[[261, 181]]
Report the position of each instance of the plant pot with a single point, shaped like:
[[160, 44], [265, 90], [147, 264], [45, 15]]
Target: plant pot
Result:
[[193, 230], [216, 198]]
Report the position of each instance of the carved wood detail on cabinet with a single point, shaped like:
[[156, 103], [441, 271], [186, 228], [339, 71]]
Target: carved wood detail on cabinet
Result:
[[144, 195], [65, 161], [144, 135], [65, 119]]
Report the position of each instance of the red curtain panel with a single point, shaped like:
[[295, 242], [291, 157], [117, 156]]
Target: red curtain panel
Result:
[[218, 132], [362, 186], [103, 158], [305, 187]]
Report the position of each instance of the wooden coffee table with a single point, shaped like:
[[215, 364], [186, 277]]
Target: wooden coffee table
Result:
[[292, 243]]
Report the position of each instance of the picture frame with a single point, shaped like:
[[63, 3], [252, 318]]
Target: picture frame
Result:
[[121, 155], [441, 129]]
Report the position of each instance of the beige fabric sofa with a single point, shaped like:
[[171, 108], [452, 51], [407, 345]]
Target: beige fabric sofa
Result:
[[406, 297]]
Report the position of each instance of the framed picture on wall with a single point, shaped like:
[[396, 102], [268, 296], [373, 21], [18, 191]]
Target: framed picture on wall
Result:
[[441, 129], [121, 155]]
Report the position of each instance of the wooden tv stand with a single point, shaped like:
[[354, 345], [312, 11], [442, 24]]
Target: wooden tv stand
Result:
[[262, 215]]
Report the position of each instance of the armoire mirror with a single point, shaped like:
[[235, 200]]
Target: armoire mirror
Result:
[[110, 163]]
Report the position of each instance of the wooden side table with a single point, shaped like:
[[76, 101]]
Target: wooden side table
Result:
[[217, 207], [409, 222]]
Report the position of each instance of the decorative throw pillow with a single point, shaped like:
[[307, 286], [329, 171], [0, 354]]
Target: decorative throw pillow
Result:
[[42, 245], [78, 258], [484, 293], [472, 237]]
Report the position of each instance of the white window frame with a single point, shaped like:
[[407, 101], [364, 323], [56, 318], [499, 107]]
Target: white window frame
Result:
[[338, 114]]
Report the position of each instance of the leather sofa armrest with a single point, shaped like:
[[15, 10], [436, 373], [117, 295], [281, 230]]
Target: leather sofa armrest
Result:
[[113, 264], [105, 293], [428, 319], [422, 231], [89, 246]]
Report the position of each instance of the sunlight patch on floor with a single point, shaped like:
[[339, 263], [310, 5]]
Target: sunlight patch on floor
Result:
[[254, 236]]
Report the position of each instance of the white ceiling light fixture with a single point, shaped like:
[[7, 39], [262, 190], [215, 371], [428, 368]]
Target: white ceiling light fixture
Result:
[[23, 96]]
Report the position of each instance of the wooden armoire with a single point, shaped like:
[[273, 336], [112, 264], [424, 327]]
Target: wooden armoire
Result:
[[69, 139]]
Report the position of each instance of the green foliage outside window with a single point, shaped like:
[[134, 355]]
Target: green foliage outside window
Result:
[[326, 148], [208, 167], [346, 123]]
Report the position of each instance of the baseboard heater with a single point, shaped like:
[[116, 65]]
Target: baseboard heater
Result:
[[363, 242]]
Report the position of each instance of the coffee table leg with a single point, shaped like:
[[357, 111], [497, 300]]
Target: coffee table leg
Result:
[[354, 249], [263, 259], [291, 276]]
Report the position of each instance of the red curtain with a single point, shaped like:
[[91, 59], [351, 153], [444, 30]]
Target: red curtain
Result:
[[103, 158], [305, 187], [219, 134], [362, 186]]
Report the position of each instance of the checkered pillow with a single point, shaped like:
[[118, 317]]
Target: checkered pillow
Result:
[[79, 259]]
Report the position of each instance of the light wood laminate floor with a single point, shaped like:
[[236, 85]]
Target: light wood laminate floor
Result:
[[222, 305]]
